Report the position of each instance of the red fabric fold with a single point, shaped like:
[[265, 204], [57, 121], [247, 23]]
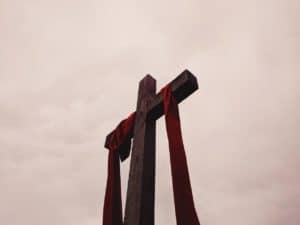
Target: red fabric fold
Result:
[[183, 197], [118, 144]]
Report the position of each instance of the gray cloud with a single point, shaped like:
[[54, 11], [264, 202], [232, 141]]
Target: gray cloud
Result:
[[69, 72]]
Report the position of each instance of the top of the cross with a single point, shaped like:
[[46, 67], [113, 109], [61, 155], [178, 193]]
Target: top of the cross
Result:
[[182, 86], [148, 76]]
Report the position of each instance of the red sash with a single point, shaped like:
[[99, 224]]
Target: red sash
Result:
[[121, 141]]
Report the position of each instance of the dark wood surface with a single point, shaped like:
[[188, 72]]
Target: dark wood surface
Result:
[[182, 86], [139, 208]]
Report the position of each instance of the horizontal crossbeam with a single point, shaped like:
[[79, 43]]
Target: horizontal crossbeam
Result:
[[182, 86]]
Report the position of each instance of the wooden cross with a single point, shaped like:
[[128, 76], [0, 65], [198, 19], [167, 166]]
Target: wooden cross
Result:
[[139, 209]]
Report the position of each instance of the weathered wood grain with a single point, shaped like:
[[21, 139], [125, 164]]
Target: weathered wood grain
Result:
[[140, 200], [182, 86], [141, 183]]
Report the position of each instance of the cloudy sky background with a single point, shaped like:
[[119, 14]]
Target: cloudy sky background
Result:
[[69, 72]]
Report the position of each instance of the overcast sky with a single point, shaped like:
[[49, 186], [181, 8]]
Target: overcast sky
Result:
[[69, 72]]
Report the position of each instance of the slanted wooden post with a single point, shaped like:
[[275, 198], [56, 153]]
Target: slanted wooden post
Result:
[[140, 195], [141, 184]]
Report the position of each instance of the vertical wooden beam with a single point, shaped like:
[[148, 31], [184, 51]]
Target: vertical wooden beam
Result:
[[139, 208]]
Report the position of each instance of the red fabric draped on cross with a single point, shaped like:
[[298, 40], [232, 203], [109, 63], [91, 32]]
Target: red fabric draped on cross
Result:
[[120, 141], [183, 197]]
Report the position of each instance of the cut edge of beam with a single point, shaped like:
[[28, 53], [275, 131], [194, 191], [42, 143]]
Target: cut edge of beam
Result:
[[182, 86]]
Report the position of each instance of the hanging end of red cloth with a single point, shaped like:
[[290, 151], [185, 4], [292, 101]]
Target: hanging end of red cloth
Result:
[[120, 139]]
